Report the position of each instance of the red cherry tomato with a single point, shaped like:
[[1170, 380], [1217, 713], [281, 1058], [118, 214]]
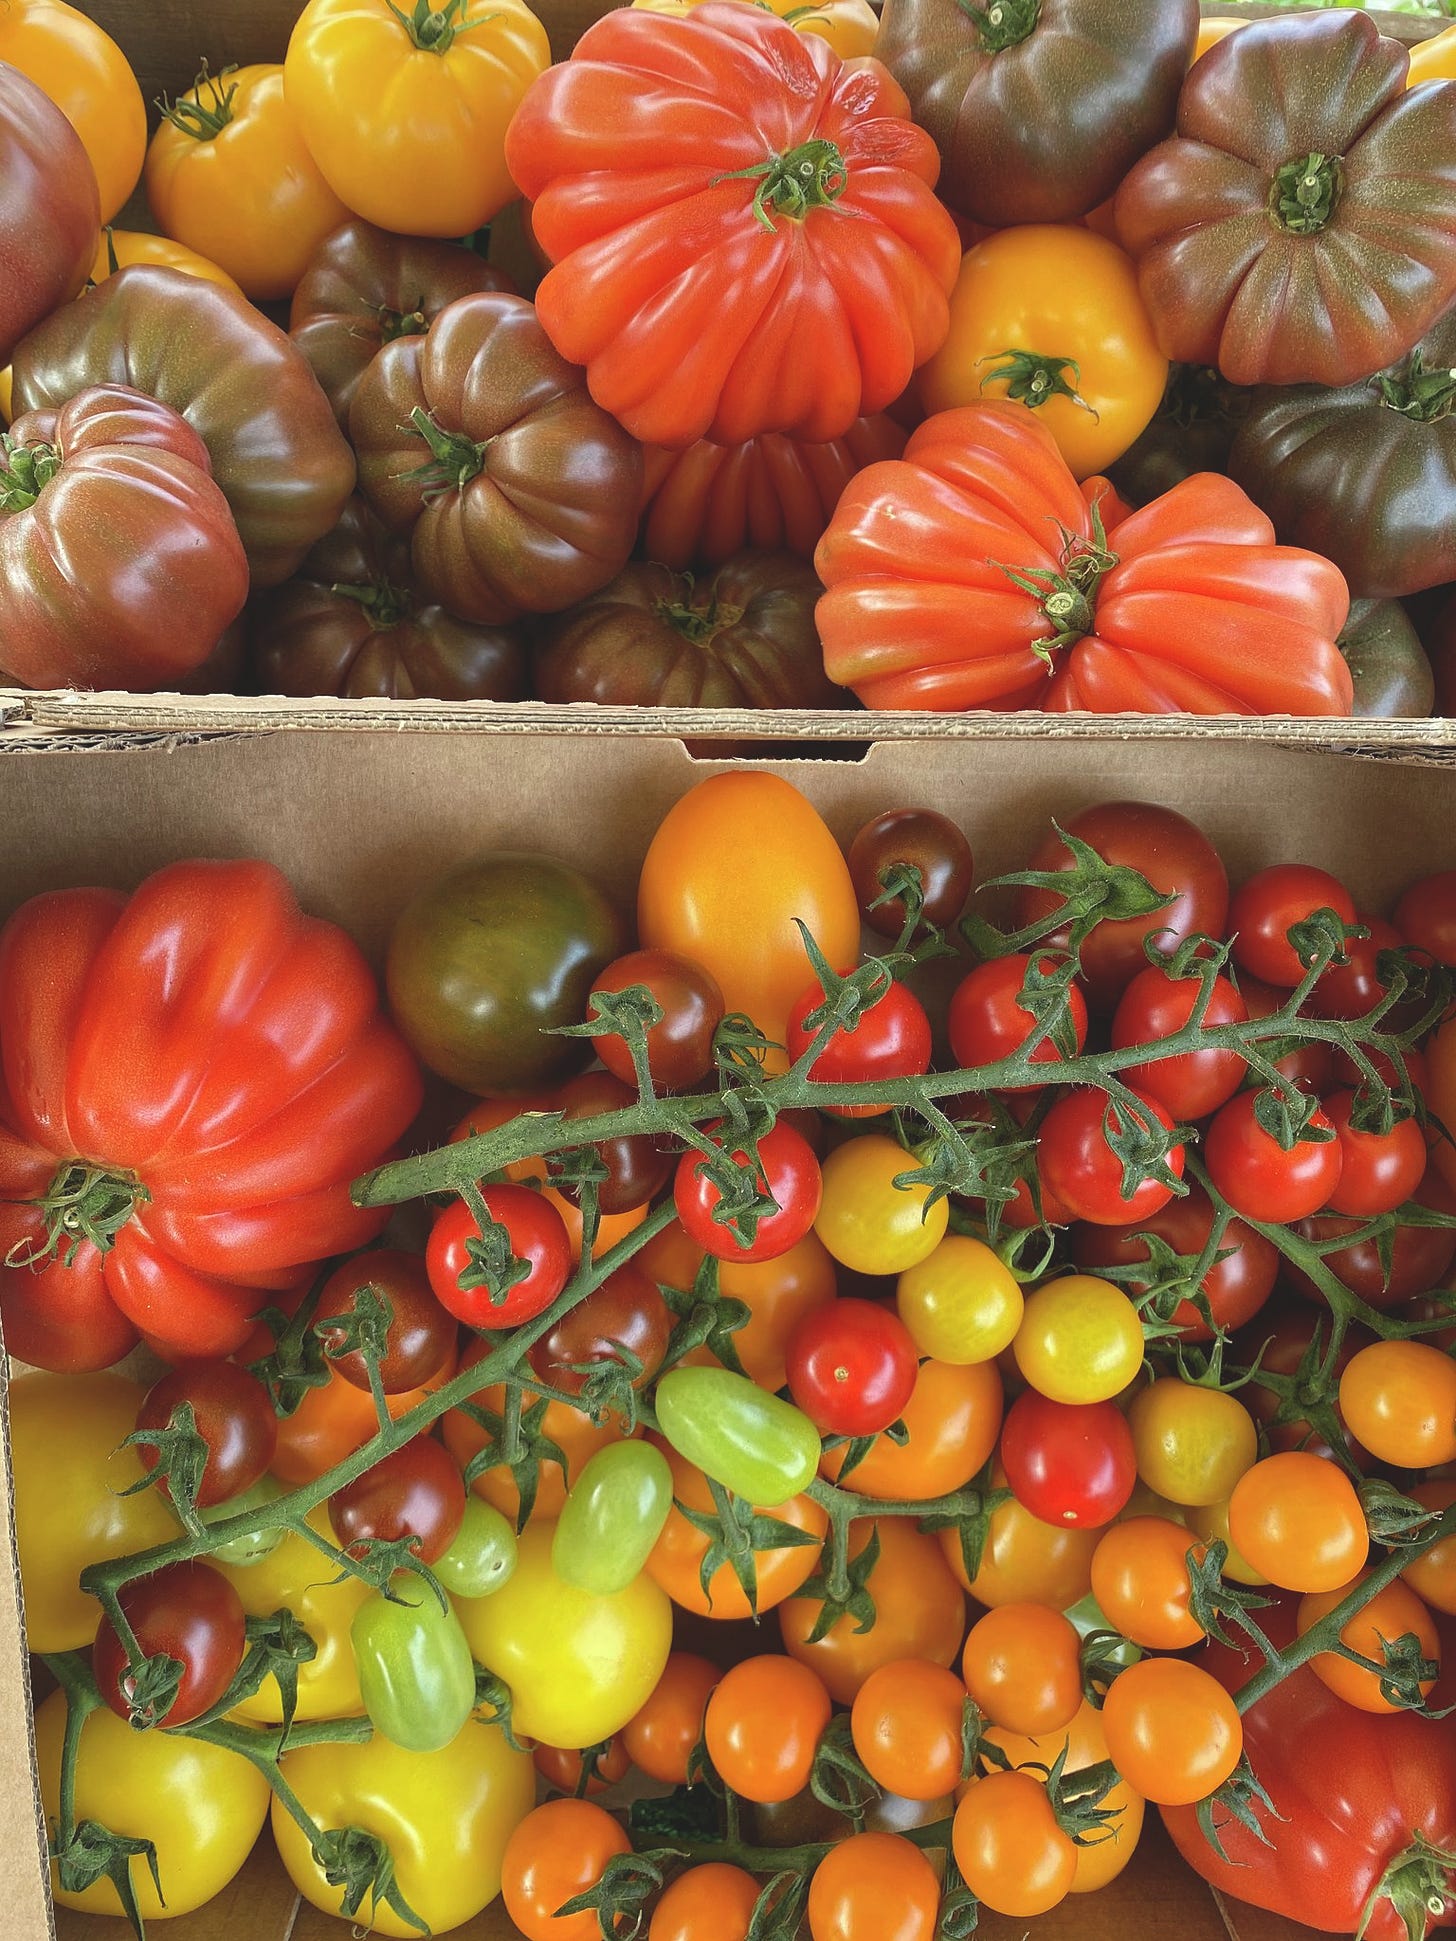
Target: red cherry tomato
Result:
[[852, 1367], [1083, 1172], [536, 1237], [1351, 990], [891, 1040], [680, 1046], [415, 1492], [1267, 907], [1419, 1257], [421, 1334], [1153, 1007], [988, 1022], [186, 1611], [790, 1177], [1310, 1066], [1069, 1463], [1235, 1287], [1378, 1170], [1426, 916], [1257, 1176], [232, 1412]]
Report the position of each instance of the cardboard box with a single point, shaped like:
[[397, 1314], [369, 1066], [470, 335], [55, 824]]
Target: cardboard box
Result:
[[356, 820]]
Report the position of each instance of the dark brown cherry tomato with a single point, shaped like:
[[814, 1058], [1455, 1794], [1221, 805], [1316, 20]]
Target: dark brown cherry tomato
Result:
[[1309, 1066], [680, 1047], [1235, 1288], [421, 1334], [186, 1611], [1267, 907], [416, 1492], [1166, 849], [637, 1168], [1278, 1339], [234, 1416], [626, 1311], [916, 839], [1420, 1257]]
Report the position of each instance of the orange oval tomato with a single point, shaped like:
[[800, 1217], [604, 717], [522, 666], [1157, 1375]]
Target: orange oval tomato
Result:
[[952, 1418], [762, 1727], [1172, 1730], [1296, 1518], [849, 26], [1085, 1744], [678, 1556], [907, 1728], [919, 1611], [1432, 1575], [714, 1902], [1393, 1613], [1026, 1561], [88, 77], [230, 175], [660, 1738], [733, 864], [1140, 1579], [873, 1884], [1012, 1854], [119, 248], [1023, 1667], [1399, 1399]]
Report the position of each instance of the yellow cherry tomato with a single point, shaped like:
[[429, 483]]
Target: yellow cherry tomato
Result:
[[869, 1223], [230, 175], [1212, 31], [962, 1303], [445, 1817], [405, 108], [1050, 316], [1211, 1522], [1192, 1443], [70, 1472], [849, 26], [298, 1578], [732, 865], [1085, 1745], [88, 77], [1433, 59], [578, 1665], [201, 1807], [119, 248], [1080, 1340]]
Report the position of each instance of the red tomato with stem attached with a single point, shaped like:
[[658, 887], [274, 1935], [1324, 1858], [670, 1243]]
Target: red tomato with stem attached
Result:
[[231, 1411], [186, 1611], [790, 1176], [1260, 1178], [852, 1367], [680, 1044], [988, 1022], [891, 1040], [1378, 1170], [1069, 1463], [421, 1334], [467, 1281], [624, 1316], [1267, 907], [1155, 1006], [1353, 989], [1078, 1165], [415, 1492]]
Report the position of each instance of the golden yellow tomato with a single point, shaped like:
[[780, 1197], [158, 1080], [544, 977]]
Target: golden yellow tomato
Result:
[[849, 26], [88, 77], [1433, 59], [298, 1578], [119, 248]]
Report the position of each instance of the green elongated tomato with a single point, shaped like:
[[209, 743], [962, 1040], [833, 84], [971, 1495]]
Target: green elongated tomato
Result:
[[612, 1517], [415, 1669], [254, 1545], [762, 1448], [483, 1554]]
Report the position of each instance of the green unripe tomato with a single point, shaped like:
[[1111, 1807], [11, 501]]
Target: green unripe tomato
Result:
[[416, 1675], [483, 1554], [612, 1517], [759, 1446]]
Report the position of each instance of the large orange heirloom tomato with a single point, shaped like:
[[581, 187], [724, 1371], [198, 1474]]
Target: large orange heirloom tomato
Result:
[[743, 227], [849, 26], [973, 573], [405, 108], [86, 74], [229, 175]]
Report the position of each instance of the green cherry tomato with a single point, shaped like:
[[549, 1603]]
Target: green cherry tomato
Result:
[[613, 1515], [759, 1446], [255, 1545], [483, 1554], [415, 1670]]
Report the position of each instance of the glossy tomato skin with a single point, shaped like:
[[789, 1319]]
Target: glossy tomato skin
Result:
[[682, 1549], [415, 1672], [1155, 1006], [709, 1902], [1310, 1066], [415, 1492], [906, 1721], [1080, 1340], [489, 958], [988, 1023], [961, 1303], [232, 1412], [791, 1179], [1426, 916], [659, 1739], [1172, 1730], [757, 1445], [852, 1367], [1068, 1463], [878, 1883], [951, 1419], [869, 1222], [421, 1333], [186, 1611], [1235, 1288], [625, 1313], [680, 1044], [1393, 1613], [1352, 989], [919, 839], [1268, 905], [1192, 1443], [763, 1724], [558, 1851], [778, 1294], [1010, 1851], [1082, 1171], [51, 212], [1296, 1517], [536, 1236], [891, 1040], [83, 71], [1258, 1177], [288, 1578], [1399, 1398], [1023, 1667], [612, 1517], [333, 1421], [920, 1612], [1378, 1170]]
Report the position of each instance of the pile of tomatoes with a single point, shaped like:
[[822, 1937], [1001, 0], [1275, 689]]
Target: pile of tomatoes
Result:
[[1144, 322], [762, 1275]]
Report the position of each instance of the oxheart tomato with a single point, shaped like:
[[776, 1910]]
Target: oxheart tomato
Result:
[[1354, 1793], [120, 564], [946, 587], [849, 26], [743, 228], [481, 442], [1290, 231], [192, 1077], [277, 454], [49, 213]]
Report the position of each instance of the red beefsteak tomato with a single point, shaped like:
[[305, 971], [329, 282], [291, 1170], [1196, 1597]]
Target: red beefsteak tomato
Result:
[[974, 573], [743, 228], [190, 1077], [120, 565], [50, 211]]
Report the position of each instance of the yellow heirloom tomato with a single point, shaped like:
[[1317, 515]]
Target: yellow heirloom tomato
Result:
[[86, 74], [120, 248], [296, 1577]]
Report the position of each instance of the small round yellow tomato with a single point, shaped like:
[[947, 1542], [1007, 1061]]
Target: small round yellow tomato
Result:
[[578, 1665], [849, 26], [229, 175], [1192, 1443], [88, 77], [962, 1303], [1050, 316], [119, 248], [70, 1471], [1080, 1340], [869, 1223], [296, 1577], [1211, 1522], [202, 1807]]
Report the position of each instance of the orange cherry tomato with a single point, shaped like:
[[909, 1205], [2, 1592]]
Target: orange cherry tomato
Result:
[[763, 1724], [952, 1418], [919, 1611], [1296, 1518], [1025, 1561], [906, 1723], [331, 1422], [1392, 1614], [678, 1556], [1172, 1730], [558, 1851], [1140, 1579], [660, 1738], [1085, 1744], [1432, 1575], [874, 1884], [710, 1903], [1012, 1854], [560, 1767], [1399, 1399], [1023, 1667]]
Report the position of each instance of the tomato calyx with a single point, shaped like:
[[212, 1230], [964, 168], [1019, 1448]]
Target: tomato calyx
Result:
[[628, 1882], [401, 323], [703, 1317], [736, 1533], [1005, 23], [1393, 1519], [811, 176], [1304, 193], [1069, 597], [360, 1863], [434, 33], [843, 1589], [25, 472], [515, 1441], [93, 1852], [1092, 891], [1419, 1884], [1034, 379], [1426, 396], [385, 605], [491, 1260], [83, 1204], [202, 120], [175, 1466], [838, 1777], [454, 459], [1076, 1799], [698, 624], [1242, 1798]]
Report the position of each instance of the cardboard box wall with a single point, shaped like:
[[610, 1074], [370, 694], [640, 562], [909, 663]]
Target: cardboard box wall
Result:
[[356, 820]]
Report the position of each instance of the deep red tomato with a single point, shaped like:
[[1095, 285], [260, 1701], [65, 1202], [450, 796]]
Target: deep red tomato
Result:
[[988, 1022], [1258, 1177], [1351, 990], [625, 1313], [536, 1237], [1378, 1170], [891, 1040], [680, 1045], [421, 1333], [1235, 1288], [1426, 916], [852, 1367], [1155, 1006], [1069, 1463], [637, 1168], [1420, 1257], [189, 1612], [918, 839], [416, 1492], [1266, 908], [1163, 847], [1082, 1170], [1309, 1066], [232, 1412], [792, 1181]]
